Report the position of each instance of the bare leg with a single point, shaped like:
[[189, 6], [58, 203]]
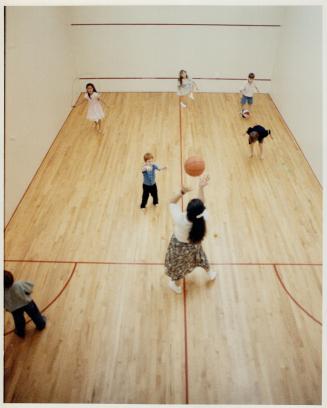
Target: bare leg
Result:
[[99, 126], [261, 150], [251, 150], [183, 102]]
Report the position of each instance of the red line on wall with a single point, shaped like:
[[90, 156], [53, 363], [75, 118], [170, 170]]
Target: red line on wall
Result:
[[185, 344], [294, 139], [175, 24], [54, 299], [293, 299], [175, 78], [38, 169]]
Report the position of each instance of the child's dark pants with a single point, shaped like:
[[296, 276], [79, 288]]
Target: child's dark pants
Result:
[[149, 190], [32, 310]]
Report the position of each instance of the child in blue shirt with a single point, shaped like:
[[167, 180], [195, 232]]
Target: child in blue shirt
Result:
[[149, 180]]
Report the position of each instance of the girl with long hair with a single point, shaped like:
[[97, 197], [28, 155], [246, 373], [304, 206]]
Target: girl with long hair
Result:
[[185, 251], [185, 87], [94, 112]]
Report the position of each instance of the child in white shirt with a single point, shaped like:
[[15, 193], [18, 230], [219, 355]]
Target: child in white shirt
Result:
[[247, 92]]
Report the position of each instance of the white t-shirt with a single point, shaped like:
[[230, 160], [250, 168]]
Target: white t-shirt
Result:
[[182, 225], [248, 89]]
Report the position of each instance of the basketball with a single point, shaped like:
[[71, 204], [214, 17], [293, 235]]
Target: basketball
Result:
[[245, 113], [194, 166]]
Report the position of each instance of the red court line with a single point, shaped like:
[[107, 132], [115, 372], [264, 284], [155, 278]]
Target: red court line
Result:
[[161, 263], [53, 300], [181, 146], [175, 78], [185, 344], [37, 171], [175, 24], [293, 299], [84, 262], [294, 139]]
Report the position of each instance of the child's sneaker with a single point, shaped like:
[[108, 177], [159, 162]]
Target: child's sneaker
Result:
[[212, 275], [174, 287], [183, 105]]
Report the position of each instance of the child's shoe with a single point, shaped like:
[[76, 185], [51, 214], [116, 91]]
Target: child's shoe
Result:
[[212, 275], [174, 287], [183, 105]]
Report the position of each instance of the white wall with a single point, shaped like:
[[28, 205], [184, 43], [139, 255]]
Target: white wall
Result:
[[297, 80], [38, 91], [161, 51]]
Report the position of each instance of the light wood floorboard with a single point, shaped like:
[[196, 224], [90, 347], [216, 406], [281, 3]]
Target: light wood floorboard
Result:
[[248, 342], [116, 335], [86, 196]]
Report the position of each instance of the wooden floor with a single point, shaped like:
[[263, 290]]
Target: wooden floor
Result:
[[116, 333]]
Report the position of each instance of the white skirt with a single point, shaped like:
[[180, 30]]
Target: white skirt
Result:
[[95, 111]]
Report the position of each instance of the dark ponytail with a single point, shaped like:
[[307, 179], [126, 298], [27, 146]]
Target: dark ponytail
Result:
[[198, 229], [94, 90], [180, 79]]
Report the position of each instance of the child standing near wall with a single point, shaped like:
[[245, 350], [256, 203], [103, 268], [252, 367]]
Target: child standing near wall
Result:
[[247, 92], [185, 87], [17, 300], [149, 180], [95, 112]]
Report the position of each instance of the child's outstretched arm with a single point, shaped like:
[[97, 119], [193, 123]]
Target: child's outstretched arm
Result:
[[203, 182], [163, 168], [175, 198]]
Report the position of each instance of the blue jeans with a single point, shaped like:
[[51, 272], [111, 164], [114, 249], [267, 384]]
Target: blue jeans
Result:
[[33, 312], [246, 99]]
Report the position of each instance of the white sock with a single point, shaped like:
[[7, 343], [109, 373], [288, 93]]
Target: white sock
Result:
[[174, 287], [212, 275]]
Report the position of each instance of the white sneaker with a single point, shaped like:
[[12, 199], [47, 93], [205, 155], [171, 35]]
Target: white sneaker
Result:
[[212, 275], [174, 287], [183, 105]]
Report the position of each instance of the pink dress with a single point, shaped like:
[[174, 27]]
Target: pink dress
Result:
[[95, 111]]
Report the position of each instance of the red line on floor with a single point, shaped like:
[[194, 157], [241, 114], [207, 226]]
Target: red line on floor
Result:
[[161, 263], [181, 146], [38, 169], [84, 262], [54, 299], [294, 139], [293, 299], [265, 263], [185, 343]]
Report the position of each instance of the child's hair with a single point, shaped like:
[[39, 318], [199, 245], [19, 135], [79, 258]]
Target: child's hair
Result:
[[180, 78], [94, 90], [198, 229], [8, 279], [253, 136], [148, 156], [251, 75]]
